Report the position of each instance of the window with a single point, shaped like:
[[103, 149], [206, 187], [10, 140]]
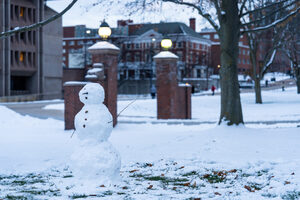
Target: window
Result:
[[71, 43], [216, 36], [64, 58], [137, 45], [131, 74], [22, 11], [128, 46], [23, 37], [11, 11], [17, 11], [137, 57], [17, 56], [244, 52], [80, 42], [22, 57], [128, 57], [179, 54], [33, 36], [64, 50], [206, 36], [29, 36], [30, 58], [33, 15], [29, 13], [64, 43], [179, 44]]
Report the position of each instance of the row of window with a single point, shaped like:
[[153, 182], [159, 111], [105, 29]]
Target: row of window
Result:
[[22, 13], [22, 58], [244, 61], [28, 37], [193, 58], [79, 42], [245, 52], [157, 44]]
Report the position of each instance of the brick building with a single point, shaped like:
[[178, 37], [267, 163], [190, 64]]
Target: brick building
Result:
[[244, 65], [30, 62], [138, 44]]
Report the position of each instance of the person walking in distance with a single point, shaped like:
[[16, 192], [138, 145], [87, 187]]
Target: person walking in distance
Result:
[[153, 91], [213, 88]]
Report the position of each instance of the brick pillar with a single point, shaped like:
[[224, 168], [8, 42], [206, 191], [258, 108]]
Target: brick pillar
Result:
[[184, 101], [107, 54], [72, 103], [166, 84]]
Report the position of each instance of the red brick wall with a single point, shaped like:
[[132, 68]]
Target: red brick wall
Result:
[[184, 102], [72, 104], [73, 74], [173, 102], [69, 32]]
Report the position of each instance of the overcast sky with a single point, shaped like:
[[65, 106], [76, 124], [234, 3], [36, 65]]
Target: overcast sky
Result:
[[83, 13]]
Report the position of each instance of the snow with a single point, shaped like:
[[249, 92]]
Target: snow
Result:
[[165, 54], [88, 76], [277, 75], [103, 45], [94, 70], [162, 161], [74, 83]]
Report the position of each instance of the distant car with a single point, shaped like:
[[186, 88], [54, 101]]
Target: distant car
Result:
[[246, 85], [273, 79]]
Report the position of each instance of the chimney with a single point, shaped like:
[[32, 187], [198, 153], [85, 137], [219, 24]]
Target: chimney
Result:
[[193, 23]]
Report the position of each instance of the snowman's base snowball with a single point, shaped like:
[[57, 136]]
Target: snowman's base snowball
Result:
[[97, 161]]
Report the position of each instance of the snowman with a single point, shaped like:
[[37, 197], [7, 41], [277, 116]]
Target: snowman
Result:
[[95, 157]]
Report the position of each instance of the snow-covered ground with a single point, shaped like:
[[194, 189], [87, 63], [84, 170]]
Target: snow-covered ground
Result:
[[159, 160]]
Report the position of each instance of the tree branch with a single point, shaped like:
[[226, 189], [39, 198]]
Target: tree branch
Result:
[[205, 15], [273, 24], [262, 8], [269, 14], [242, 8], [39, 24]]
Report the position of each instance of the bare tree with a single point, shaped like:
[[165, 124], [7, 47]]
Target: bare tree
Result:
[[263, 45], [38, 24], [292, 48]]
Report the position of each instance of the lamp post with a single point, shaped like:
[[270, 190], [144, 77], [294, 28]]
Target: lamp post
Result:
[[104, 30], [151, 61], [87, 32]]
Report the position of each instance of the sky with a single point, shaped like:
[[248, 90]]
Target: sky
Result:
[[83, 13]]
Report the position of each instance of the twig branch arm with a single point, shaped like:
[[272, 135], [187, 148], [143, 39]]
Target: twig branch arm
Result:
[[39, 24]]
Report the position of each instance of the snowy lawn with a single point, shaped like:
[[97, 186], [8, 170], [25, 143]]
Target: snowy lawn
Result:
[[161, 161]]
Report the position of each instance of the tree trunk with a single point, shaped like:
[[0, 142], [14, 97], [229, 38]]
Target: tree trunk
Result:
[[231, 109], [297, 74], [257, 88], [298, 84]]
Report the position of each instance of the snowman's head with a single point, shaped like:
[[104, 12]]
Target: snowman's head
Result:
[[92, 93]]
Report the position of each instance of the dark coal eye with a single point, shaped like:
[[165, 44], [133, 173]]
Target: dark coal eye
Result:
[[86, 98]]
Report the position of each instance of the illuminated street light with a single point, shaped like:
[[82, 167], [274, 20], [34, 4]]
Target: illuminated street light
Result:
[[104, 30], [166, 44]]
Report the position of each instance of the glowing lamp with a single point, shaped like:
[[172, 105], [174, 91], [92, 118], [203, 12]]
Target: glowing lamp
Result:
[[104, 30], [166, 43]]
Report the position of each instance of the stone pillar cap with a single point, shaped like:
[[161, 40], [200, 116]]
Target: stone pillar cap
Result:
[[103, 45], [165, 55]]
